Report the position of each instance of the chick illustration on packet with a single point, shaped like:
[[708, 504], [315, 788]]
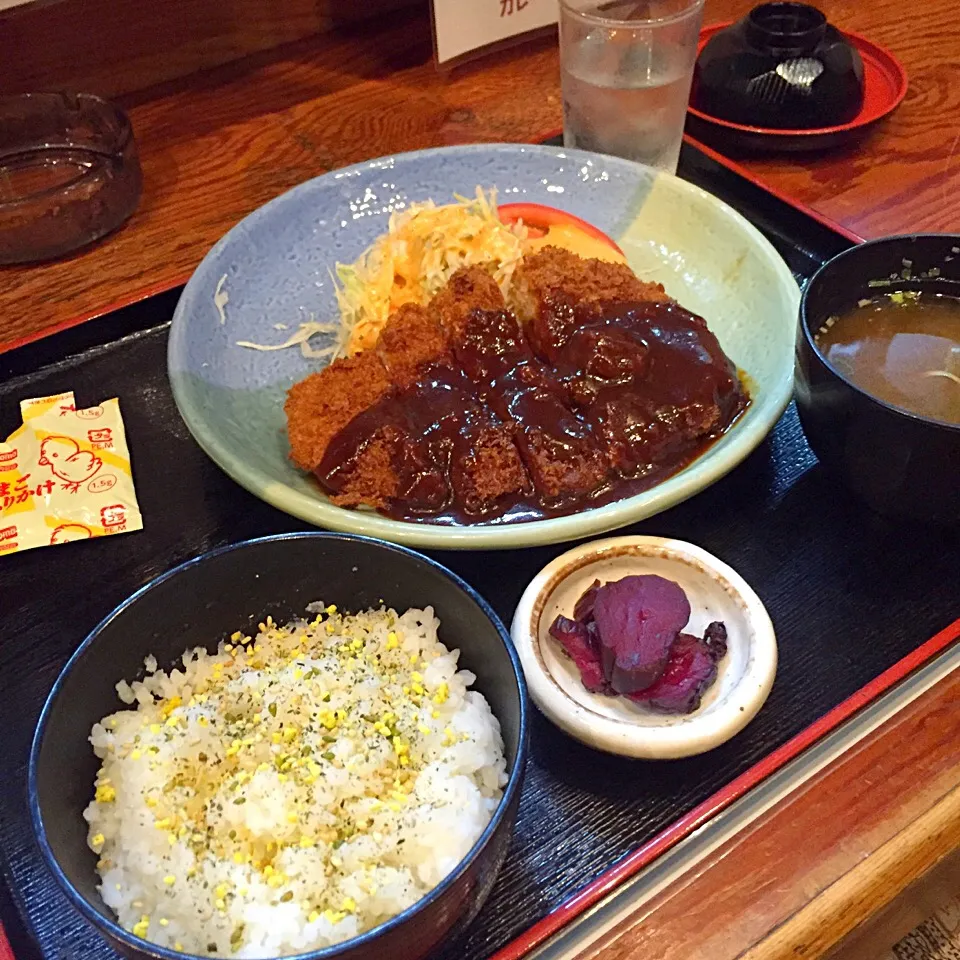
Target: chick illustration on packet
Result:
[[65, 475]]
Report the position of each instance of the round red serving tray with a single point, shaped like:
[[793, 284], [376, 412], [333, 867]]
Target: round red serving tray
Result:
[[885, 85]]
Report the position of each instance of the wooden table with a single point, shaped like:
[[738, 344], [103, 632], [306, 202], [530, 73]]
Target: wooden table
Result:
[[217, 145]]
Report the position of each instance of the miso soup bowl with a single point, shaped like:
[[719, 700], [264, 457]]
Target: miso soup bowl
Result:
[[899, 463]]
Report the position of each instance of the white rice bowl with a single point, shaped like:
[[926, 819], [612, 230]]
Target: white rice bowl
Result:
[[294, 789]]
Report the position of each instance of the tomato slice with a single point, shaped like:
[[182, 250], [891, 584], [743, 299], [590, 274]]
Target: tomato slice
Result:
[[539, 219]]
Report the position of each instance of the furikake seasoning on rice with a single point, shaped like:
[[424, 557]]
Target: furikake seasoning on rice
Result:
[[294, 789]]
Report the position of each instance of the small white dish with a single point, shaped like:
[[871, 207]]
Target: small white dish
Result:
[[616, 724]]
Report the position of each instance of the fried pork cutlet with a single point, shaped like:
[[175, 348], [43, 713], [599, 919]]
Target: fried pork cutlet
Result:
[[466, 439], [385, 462], [423, 445], [553, 272], [460, 407], [489, 471], [411, 340], [380, 458], [489, 344], [319, 407], [369, 479], [597, 357], [637, 433], [548, 284], [441, 403], [556, 448], [469, 289], [681, 388]]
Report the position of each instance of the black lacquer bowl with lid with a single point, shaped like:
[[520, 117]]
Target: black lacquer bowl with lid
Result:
[[782, 66]]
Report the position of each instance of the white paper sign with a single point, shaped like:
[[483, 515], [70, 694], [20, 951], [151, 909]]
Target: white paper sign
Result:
[[464, 25]]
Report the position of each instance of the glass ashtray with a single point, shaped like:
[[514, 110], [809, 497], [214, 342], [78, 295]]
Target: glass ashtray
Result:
[[69, 173]]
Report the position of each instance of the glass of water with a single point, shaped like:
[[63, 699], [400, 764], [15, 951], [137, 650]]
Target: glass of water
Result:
[[626, 69]]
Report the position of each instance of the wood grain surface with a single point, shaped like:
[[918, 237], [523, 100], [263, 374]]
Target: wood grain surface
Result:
[[88, 45], [218, 144], [821, 862], [904, 177], [916, 913]]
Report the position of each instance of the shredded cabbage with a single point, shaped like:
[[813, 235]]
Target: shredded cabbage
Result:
[[423, 246], [220, 299], [302, 337]]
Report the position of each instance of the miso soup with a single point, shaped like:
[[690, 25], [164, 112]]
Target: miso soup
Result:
[[901, 347]]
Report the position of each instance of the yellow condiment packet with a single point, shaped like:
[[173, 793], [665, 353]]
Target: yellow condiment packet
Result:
[[65, 475]]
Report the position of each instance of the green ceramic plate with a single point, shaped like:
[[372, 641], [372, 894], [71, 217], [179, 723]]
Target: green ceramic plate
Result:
[[272, 272]]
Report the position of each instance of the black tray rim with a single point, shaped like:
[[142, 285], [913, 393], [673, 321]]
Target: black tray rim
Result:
[[72, 337]]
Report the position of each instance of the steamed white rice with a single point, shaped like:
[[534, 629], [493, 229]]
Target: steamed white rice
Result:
[[294, 789]]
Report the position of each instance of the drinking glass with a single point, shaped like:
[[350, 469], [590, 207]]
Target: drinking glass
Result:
[[626, 69]]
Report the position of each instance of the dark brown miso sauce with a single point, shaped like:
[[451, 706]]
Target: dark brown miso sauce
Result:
[[630, 395], [524, 511], [902, 348]]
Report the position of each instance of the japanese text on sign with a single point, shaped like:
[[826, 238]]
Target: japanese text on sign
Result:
[[464, 25]]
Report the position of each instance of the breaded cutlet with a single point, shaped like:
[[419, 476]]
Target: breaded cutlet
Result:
[[553, 273], [558, 450], [636, 434], [381, 456], [563, 464], [559, 472], [489, 343], [469, 289], [411, 340], [372, 480], [489, 472], [324, 403]]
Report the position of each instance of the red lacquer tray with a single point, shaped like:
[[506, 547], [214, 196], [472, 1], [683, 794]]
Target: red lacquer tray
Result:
[[885, 86]]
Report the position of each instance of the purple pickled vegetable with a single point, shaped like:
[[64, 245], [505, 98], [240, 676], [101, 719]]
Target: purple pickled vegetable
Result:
[[581, 645], [690, 671], [715, 637], [638, 619], [583, 611]]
